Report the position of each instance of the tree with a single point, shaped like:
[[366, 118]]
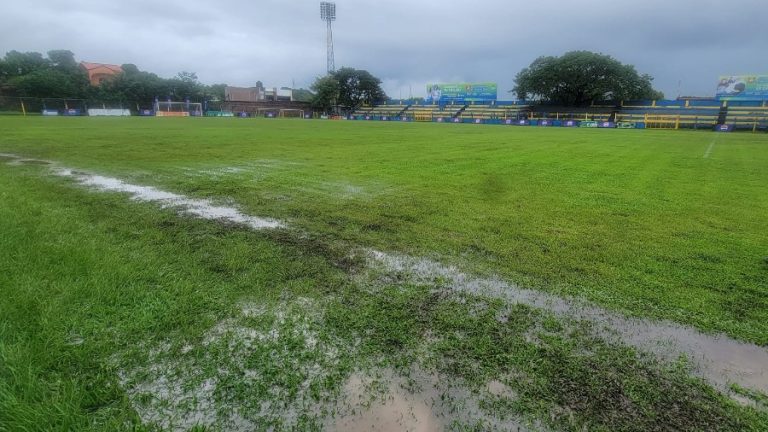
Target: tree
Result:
[[46, 83], [185, 85], [215, 92], [59, 76], [581, 77], [18, 63], [357, 87], [302, 95], [326, 93], [347, 87], [63, 60]]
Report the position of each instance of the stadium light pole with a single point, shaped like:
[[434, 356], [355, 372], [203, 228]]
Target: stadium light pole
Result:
[[328, 14]]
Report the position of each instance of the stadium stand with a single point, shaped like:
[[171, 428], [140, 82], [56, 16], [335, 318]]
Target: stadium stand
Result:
[[744, 117], [599, 113], [659, 114], [671, 114], [495, 112]]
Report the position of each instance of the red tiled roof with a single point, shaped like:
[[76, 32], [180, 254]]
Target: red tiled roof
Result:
[[89, 66]]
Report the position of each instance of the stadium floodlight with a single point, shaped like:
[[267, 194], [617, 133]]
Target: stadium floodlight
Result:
[[328, 11], [328, 14]]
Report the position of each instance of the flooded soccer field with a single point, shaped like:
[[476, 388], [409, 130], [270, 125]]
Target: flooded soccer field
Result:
[[241, 274]]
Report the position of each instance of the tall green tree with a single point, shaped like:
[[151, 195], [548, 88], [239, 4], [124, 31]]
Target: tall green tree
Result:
[[63, 60], [358, 86], [581, 77], [347, 88], [326, 93]]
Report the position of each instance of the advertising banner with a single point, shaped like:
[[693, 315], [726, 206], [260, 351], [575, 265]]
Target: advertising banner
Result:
[[724, 128], [109, 112], [442, 94], [743, 87]]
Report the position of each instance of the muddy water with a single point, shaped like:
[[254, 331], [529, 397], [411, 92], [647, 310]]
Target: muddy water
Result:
[[718, 359], [383, 401], [395, 411]]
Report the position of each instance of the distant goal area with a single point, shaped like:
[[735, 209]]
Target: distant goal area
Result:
[[178, 109]]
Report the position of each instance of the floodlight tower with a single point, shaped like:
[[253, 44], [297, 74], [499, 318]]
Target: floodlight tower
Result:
[[328, 14]]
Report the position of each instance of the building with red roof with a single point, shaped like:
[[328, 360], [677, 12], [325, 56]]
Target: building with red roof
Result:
[[99, 72]]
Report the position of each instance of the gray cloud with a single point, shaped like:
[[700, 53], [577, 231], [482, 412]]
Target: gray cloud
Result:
[[684, 44]]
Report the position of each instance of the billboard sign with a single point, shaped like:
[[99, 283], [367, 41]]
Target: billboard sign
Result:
[[743, 87], [461, 93]]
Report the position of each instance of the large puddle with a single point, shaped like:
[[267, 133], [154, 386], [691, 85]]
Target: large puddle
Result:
[[719, 359], [178, 390]]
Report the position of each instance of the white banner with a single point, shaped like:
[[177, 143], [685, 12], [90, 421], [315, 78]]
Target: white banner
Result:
[[109, 112]]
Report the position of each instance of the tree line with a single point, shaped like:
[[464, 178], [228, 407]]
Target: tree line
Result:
[[575, 78], [59, 75]]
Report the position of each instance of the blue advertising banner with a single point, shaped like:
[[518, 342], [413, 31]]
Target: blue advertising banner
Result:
[[442, 94], [724, 128]]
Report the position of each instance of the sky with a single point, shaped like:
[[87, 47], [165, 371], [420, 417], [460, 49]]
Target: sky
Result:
[[684, 44]]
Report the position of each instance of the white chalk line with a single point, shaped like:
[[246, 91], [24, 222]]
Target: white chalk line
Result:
[[711, 145]]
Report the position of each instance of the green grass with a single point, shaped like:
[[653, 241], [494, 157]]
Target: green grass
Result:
[[636, 221]]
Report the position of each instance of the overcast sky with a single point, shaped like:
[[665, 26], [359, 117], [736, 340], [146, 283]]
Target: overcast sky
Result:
[[684, 44]]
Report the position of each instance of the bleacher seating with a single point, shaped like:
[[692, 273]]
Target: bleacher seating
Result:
[[495, 112], [670, 114], [744, 117], [681, 117]]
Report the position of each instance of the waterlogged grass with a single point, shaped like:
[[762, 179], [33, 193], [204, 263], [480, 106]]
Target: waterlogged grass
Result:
[[119, 315], [638, 221]]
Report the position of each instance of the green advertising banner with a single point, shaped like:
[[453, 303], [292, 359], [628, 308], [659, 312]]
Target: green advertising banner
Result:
[[461, 93], [743, 87]]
